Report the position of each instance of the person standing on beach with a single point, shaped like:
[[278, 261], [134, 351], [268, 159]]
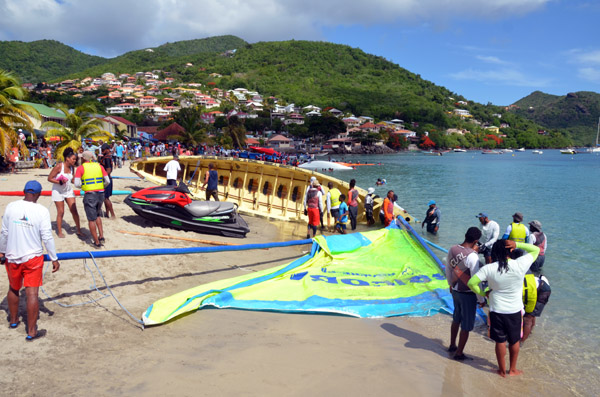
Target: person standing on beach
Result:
[[433, 217], [516, 231], [91, 177], [333, 203], [172, 168], [538, 238], [490, 232], [212, 180], [314, 207], [353, 204], [505, 296], [61, 178], [462, 262], [25, 226], [388, 208], [108, 164], [342, 219]]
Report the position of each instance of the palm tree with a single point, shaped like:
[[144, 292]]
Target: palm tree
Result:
[[236, 131], [13, 115], [194, 128], [79, 125]]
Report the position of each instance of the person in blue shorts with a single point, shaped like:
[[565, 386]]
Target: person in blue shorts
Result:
[[340, 224]]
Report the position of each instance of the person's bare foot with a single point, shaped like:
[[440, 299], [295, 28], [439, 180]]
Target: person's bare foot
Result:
[[501, 373], [516, 372], [61, 235]]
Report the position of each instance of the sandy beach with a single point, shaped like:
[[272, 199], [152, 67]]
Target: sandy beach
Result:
[[97, 349]]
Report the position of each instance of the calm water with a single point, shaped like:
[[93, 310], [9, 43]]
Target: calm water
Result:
[[561, 191]]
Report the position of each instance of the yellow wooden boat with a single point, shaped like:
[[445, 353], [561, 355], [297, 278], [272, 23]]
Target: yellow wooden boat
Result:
[[259, 188]]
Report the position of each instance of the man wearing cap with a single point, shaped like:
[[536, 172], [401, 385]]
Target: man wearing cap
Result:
[[25, 225], [92, 177], [490, 231], [172, 168], [516, 231], [333, 203], [432, 218], [538, 238], [314, 207]]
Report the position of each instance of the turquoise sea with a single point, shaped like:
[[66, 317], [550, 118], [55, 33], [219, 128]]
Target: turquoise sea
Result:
[[561, 191]]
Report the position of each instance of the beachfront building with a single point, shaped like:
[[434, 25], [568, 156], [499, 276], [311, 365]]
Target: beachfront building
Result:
[[279, 142], [122, 124]]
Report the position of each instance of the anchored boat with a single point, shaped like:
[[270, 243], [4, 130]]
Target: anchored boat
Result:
[[269, 190]]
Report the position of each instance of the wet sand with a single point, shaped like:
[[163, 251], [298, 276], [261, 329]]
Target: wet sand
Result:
[[97, 349]]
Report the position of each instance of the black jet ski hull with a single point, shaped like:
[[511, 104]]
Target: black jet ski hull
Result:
[[230, 225]]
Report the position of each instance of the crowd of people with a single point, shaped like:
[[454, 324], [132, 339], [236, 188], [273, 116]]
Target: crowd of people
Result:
[[508, 280]]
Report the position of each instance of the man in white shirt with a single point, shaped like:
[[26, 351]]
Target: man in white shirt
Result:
[[172, 169], [25, 226], [490, 231]]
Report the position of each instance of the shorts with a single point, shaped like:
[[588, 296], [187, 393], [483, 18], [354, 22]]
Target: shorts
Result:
[[431, 228], [506, 327], [314, 217], [171, 182], [27, 273], [61, 196], [335, 213], [536, 266], [92, 204], [485, 251], [212, 193], [340, 226], [465, 305], [108, 190]]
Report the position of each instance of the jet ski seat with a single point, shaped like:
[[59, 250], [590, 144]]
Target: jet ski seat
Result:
[[212, 208]]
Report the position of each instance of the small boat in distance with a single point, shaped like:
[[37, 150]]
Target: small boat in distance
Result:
[[490, 152], [596, 149], [520, 150], [537, 152], [506, 150], [458, 150], [568, 151]]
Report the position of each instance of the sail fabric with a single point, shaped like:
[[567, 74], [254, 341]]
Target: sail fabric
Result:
[[379, 273]]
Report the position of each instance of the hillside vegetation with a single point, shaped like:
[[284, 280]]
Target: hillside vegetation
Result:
[[576, 113]]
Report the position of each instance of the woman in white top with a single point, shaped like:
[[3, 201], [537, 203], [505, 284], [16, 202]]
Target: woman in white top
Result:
[[61, 177], [505, 294]]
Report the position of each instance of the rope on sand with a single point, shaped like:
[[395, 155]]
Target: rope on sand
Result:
[[160, 251]]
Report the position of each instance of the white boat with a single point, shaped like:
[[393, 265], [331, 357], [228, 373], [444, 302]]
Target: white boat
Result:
[[596, 149], [568, 151], [458, 150], [490, 152], [537, 152], [506, 150], [324, 166], [520, 150]]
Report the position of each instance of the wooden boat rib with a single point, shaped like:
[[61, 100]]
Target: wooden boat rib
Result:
[[263, 189]]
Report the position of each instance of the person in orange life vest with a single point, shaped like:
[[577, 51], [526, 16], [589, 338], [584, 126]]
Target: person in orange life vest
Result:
[[462, 263], [388, 208], [92, 177]]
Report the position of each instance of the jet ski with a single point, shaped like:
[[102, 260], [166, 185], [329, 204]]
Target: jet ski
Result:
[[171, 206]]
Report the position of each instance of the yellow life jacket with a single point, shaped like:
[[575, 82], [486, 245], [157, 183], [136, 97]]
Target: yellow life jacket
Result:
[[518, 233], [529, 293], [92, 178], [335, 197]]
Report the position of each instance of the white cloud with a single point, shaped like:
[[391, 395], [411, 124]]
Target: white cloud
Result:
[[590, 74], [592, 57], [491, 59], [111, 27], [505, 76]]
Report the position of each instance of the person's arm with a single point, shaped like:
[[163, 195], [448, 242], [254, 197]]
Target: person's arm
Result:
[[473, 284], [320, 201], [530, 249], [53, 173], [205, 179], [507, 232], [105, 175], [46, 235], [78, 175], [306, 197], [328, 199], [4, 235], [493, 237]]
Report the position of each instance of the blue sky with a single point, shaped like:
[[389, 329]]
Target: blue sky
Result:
[[494, 51]]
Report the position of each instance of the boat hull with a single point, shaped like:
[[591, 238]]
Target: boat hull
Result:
[[263, 189]]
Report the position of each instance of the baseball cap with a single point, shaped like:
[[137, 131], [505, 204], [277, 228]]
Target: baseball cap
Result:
[[33, 187], [481, 215], [432, 202], [517, 216], [87, 155]]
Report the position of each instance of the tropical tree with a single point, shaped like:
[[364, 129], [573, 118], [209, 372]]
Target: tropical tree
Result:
[[13, 115], [79, 125], [236, 131], [194, 127]]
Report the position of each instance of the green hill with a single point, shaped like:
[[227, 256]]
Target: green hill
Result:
[[576, 113], [43, 60]]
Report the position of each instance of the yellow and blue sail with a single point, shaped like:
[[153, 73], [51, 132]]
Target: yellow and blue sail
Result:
[[380, 273]]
